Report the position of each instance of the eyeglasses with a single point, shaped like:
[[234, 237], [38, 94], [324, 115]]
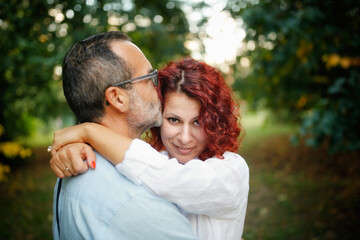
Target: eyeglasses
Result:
[[153, 76]]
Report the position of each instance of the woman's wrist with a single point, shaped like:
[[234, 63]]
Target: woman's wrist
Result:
[[89, 132]]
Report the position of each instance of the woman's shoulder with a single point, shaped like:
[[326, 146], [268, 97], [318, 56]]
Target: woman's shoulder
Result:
[[234, 159], [233, 156]]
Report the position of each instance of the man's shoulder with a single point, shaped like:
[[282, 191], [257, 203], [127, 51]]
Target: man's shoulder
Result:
[[119, 207], [105, 172], [106, 185], [105, 178], [103, 190]]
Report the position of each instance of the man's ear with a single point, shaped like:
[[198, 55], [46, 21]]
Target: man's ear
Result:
[[117, 98]]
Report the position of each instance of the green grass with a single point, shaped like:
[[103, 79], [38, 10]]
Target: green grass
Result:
[[258, 127], [297, 192]]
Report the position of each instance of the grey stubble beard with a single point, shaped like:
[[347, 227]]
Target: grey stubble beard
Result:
[[143, 115]]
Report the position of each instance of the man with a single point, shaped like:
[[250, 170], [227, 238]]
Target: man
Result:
[[103, 204]]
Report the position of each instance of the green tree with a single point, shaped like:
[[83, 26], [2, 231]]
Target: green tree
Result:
[[35, 35], [305, 59]]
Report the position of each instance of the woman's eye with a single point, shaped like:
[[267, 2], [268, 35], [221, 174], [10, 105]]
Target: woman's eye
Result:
[[173, 120], [197, 123]]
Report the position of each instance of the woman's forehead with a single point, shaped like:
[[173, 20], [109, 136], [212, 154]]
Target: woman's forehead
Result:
[[181, 104]]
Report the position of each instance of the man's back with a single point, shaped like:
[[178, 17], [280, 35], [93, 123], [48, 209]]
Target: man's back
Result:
[[103, 204]]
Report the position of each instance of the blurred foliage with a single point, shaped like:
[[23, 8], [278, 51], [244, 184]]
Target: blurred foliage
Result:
[[4, 170], [14, 149], [35, 35], [10, 154], [305, 65]]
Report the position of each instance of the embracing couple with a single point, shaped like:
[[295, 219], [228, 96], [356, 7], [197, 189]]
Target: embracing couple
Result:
[[186, 181]]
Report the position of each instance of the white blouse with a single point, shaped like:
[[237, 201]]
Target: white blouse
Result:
[[212, 194]]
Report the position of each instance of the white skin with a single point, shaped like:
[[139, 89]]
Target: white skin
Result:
[[147, 101], [180, 132], [148, 117]]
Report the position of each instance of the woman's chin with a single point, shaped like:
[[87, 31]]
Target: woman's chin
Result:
[[183, 159]]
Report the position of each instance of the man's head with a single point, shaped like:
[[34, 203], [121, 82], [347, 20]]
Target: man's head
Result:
[[93, 67], [89, 68]]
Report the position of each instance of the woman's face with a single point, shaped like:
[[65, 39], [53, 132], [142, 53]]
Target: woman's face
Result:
[[181, 132]]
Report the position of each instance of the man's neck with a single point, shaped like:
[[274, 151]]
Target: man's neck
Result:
[[120, 126]]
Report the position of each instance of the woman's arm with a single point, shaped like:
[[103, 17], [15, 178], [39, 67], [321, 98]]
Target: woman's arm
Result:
[[215, 187], [109, 144]]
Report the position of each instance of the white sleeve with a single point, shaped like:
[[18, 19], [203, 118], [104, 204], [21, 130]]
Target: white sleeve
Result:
[[214, 187]]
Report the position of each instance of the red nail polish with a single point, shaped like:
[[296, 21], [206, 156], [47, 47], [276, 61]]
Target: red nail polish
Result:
[[93, 164]]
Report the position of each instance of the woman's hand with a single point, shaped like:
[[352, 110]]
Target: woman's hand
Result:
[[70, 160]]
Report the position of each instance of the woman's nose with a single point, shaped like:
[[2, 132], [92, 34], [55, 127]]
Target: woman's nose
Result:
[[185, 135]]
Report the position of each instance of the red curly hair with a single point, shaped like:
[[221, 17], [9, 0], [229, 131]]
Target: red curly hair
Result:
[[219, 113]]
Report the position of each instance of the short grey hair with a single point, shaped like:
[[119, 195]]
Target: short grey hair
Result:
[[89, 68]]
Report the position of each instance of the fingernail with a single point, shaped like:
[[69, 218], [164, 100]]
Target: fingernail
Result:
[[93, 164]]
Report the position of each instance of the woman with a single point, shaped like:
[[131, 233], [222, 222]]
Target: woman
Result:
[[199, 171]]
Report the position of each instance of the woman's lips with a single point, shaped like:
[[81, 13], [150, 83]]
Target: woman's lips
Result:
[[183, 150]]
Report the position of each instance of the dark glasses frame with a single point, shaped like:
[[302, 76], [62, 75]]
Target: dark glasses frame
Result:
[[154, 78]]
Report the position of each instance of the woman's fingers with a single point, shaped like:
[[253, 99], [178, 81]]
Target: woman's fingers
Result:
[[77, 159], [89, 154], [58, 172], [59, 164], [69, 161]]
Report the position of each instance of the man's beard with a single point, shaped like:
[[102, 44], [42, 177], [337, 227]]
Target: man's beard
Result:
[[143, 115]]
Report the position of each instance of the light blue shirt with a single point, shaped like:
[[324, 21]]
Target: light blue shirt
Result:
[[103, 204]]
